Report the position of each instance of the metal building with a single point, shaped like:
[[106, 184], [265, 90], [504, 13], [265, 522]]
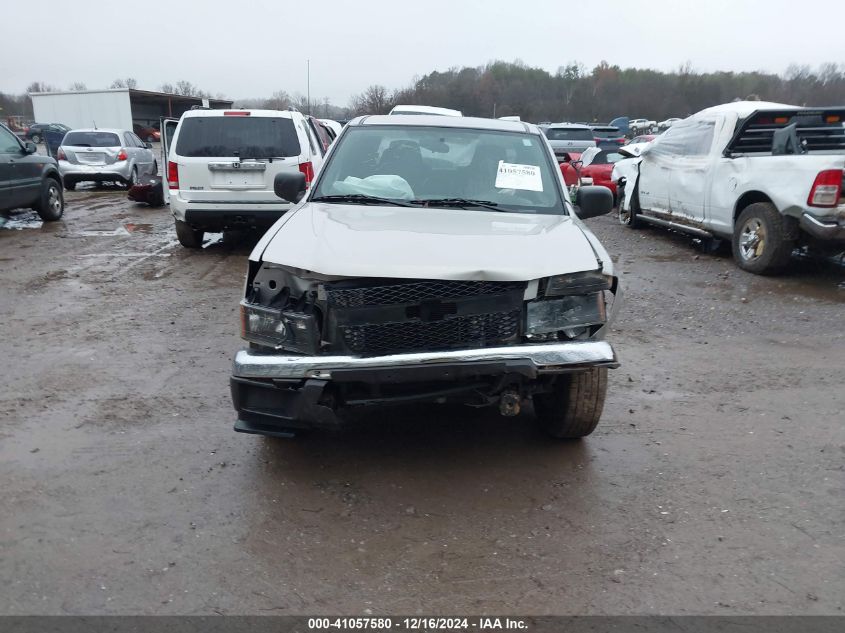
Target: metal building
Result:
[[116, 108]]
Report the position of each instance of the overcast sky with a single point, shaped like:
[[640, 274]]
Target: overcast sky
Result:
[[251, 48]]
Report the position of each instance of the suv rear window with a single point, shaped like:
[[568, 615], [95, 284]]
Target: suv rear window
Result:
[[243, 136], [568, 134], [606, 132], [91, 139]]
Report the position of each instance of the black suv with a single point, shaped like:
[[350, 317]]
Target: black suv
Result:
[[36, 131], [28, 179]]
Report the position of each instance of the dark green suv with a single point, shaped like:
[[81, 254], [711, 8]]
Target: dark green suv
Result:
[[28, 179]]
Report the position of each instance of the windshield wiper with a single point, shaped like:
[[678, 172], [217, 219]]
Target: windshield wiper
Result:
[[458, 202], [359, 198]]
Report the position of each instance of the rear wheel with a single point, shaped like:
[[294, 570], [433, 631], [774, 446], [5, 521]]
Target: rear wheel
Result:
[[188, 236], [762, 243], [51, 205], [36, 138], [133, 178], [574, 407]]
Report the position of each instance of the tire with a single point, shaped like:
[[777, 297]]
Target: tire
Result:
[[133, 178], [70, 185], [51, 205], [630, 218], [574, 407], [188, 237], [36, 138], [761, 241]]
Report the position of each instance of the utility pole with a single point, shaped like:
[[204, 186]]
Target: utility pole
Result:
[[308, 83], [494, 110]]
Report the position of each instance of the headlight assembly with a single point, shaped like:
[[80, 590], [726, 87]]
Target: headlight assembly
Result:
[[279, 329], [577, 283], [574, 311]]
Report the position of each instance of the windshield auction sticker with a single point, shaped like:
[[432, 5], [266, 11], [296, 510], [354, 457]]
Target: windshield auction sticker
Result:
[[513, 176]]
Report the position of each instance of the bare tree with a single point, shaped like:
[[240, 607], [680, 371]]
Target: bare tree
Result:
[[77, 85], [118, 83], [40, 86], [374, 100], [131, 83], [279, 100], [168, 88]]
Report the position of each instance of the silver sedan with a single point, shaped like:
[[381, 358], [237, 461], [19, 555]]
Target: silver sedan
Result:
[[102, 155]]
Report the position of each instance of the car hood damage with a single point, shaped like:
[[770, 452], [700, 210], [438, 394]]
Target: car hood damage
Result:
[[429, 243]]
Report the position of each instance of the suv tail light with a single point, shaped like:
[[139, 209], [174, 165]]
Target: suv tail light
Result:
[[172, 175], [826, 189], [121, 155], [308, 170], [236, 113], [60, 155]]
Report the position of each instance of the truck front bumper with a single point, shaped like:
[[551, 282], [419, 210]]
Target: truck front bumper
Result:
[[274, 394]]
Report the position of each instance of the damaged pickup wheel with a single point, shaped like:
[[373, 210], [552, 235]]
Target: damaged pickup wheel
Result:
[[573, 408]]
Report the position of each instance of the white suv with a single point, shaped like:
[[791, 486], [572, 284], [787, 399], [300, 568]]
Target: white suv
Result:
[[221, 165]]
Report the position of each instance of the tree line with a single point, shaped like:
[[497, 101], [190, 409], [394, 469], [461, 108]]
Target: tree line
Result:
[[574, 93]]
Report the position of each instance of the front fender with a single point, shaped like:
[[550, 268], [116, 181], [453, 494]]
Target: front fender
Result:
[[628, 168]]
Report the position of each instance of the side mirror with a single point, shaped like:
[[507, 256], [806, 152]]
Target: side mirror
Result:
[[148, 145], [591, 202], [290, 186], [29, 147]]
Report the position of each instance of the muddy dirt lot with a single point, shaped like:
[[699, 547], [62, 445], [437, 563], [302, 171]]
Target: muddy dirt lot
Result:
[[714, 484]]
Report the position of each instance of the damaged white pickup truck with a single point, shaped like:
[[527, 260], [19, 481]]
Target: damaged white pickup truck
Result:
[[767, 176], [435, 259]]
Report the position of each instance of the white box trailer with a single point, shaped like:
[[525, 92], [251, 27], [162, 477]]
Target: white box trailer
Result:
[[114, 108], [84, 108]]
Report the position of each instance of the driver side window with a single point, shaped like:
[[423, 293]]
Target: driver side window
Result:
[[9, 143]]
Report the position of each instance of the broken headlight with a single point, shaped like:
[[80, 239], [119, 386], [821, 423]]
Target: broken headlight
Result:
[[578, 283], [567, 313], [280, 329]]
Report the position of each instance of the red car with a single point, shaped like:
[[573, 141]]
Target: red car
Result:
[[600, 170], [146, 133]]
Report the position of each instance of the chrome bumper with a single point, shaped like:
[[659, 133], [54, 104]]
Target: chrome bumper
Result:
[[834, 231], [551, 358]]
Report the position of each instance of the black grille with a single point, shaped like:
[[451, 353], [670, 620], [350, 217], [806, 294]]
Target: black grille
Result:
[[472, 330], [415, 292]]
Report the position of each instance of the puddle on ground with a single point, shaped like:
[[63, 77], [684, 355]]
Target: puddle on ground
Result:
[[118, 232], [138, 228], [20, 221]]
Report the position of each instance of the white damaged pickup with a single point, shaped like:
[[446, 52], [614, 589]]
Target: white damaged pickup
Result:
[[767, 176]]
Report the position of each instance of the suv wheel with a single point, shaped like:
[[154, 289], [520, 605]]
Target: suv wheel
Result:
[[761, 242], [573, 408], [188, 236], [51, 205], [36, 138]]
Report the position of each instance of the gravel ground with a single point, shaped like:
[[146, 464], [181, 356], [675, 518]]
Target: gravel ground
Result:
[[713, 485]]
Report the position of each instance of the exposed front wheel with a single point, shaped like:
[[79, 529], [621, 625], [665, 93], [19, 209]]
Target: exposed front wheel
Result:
[[36, 138], [629, 217], [51, 206], [762, 243], [574, 406], [188, 236]]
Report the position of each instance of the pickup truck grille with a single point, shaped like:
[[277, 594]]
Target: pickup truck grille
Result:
[[376, 317], [466, 331]]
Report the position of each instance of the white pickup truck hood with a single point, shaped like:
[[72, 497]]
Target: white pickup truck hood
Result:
[[428, 243]]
